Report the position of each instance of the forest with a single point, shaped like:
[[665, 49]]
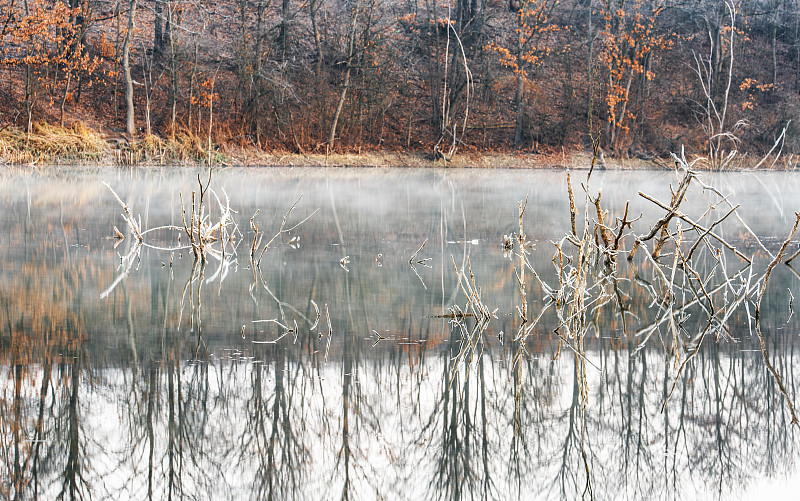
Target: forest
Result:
[[634, 78]]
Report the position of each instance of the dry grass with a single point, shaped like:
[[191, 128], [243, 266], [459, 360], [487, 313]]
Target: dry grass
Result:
[[51, 144], [184, 148], [78, 144]]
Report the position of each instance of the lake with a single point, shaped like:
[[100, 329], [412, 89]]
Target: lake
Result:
[[396, 339]]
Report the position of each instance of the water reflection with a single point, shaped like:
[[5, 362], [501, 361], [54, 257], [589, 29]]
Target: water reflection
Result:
[[281, 429], [156, 391]]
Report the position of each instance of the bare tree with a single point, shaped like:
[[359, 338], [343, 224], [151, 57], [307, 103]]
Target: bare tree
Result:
[[130, 126], [775, 6], [355, 12], [714, 112], [448, 115], [158, 29]]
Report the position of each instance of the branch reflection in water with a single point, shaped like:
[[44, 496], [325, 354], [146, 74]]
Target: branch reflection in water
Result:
[[156, 391]]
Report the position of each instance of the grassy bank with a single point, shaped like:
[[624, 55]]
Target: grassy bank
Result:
[[79, 144]]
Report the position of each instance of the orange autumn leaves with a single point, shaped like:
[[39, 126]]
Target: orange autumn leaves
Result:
[[532, 24], [45, 38], [629, 38], [45, 35]]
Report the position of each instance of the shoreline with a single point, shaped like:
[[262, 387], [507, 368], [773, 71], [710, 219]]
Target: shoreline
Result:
[[81, 146]]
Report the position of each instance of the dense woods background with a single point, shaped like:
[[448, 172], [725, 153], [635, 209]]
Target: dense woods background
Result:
[[641, 77]]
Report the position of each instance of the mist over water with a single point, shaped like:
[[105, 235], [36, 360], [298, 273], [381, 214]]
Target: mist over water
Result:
[[156, 377]]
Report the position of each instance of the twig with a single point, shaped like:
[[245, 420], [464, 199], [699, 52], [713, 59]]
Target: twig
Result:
[[283, 228], [330, 333], [702, 237], [791, 258], [764, 351], [411, 260], [127, 216], [775, 263], [573, 211], [699, 227]]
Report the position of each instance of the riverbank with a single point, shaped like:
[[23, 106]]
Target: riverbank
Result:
[[80, 145]]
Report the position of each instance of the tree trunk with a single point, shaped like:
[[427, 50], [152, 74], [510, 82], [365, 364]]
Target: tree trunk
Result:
[[147, 74], [173, 70], [433, 51], [191, 84], [775, 42], [717, 57], [519, 109], [589, 66], [797, 49], [313, 8], [774, 56], [351, 45], [130, 126], [259, 51], [158, 31], [619, 122], [64, 98], [339, 106], [117, 11], [210, 120], [30, 91], [283, 34], [78, 21]]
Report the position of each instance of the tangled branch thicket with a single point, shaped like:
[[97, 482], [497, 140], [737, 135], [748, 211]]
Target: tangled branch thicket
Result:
[[697, 285]]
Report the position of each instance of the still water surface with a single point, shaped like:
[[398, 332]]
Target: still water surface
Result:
[[138, 374]]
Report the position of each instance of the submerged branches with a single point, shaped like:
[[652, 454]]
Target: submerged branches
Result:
[[762, 291], [213, 233], [775, 262], [471, 337], [685, 274], [202, 230], [133, 225], [282, 230]]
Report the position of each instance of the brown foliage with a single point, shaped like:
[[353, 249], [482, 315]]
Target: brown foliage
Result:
[[252, 74]]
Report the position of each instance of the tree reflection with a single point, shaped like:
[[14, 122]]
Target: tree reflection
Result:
[[160, 396], [494, 430], [269, 435], [458, 429]]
